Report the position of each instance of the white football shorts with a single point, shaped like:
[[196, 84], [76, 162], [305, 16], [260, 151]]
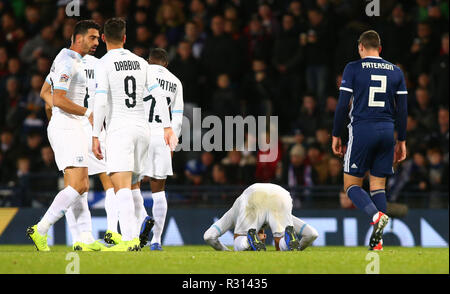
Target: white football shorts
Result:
[[159, 161], [68, 140], [95, 166], [261, 207], [126, 149]]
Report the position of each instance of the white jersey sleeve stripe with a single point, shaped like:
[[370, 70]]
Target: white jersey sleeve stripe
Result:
[[402, 92], [346, 89]]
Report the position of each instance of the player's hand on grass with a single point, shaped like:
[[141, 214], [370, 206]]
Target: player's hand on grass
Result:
[[400, 151], [336, 145], [96, 148], [170, 138]]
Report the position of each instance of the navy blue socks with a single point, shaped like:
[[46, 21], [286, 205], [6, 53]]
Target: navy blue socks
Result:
[[362, 200]]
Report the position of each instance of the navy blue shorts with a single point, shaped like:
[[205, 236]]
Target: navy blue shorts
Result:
[[370, 148]]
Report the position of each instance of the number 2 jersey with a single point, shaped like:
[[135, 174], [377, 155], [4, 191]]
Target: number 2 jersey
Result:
[[378, 93], [121, 78], [173, 90]]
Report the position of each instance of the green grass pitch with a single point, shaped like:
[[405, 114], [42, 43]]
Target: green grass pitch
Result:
[[23, 259]]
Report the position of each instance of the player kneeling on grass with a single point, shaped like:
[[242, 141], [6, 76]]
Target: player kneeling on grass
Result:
[[262, 205]]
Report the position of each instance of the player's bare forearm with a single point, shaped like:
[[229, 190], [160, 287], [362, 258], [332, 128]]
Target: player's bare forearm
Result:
[[46, 94], [48, 111], [60, 100]]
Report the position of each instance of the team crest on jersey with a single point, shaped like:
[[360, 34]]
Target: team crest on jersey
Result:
[[79, 159], [64, 78]]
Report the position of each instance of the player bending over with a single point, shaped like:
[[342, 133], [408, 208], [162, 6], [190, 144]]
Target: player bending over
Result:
[[378, 95], [121, 77], [258, 206], [159, 161], [95, 166], [67, 137]]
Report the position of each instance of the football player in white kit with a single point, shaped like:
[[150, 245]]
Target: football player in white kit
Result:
[[67, 137], [262, 205], [159, 162], [121, 77], [95, 166]]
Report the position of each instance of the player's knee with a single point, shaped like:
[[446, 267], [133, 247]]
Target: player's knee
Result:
[[210, 234]]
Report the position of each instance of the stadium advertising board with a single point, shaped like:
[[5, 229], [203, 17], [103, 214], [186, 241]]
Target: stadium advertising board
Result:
[[426, 228]]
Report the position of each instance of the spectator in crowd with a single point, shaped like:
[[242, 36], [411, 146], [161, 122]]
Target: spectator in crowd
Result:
[[199, 171], [287, 58], [334, 175], [327, 117], [32, 149], [317, 45], [224, 99], [259, 44], [439, 74], [195, 38], [318, 162], [308, 120], [423, 49], [440, 136], [268, 20], [220, 54], [415, 133], [186, 68], [9, 155], [266, 171], [398, 34], [424, 109], [257, 92], [22, 195], [42, 44], [297, 172], [170, 18]]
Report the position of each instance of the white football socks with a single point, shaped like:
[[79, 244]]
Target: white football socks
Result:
[[139, 208], [112, 211], [241, 243], [72, 224], [282, 244], [79, 213], [159, 211], [57, 209], [127, 217]]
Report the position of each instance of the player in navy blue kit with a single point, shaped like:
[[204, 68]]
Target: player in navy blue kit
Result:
[[378, 95]]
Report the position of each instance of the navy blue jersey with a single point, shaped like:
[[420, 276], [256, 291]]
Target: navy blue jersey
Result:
[[378, 92]]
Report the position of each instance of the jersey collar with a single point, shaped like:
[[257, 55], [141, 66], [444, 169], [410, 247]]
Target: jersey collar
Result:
[[376, 57]]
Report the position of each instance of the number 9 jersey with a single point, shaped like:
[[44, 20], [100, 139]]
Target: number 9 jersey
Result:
[[121, 78]]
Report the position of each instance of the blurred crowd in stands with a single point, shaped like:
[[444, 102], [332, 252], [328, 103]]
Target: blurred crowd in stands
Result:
[[241, 57]]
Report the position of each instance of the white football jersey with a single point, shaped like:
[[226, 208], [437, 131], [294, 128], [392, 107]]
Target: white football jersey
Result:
[[173, 91], [68, 73], [123, 76], [91, 62]]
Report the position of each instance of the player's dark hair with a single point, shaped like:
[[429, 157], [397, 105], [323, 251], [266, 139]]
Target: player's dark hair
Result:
[[82, 27], [158, 55], [370, 40], [114, 30]]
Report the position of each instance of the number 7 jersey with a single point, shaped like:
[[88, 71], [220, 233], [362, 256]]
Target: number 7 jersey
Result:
[[122, 76], [173, 90]]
